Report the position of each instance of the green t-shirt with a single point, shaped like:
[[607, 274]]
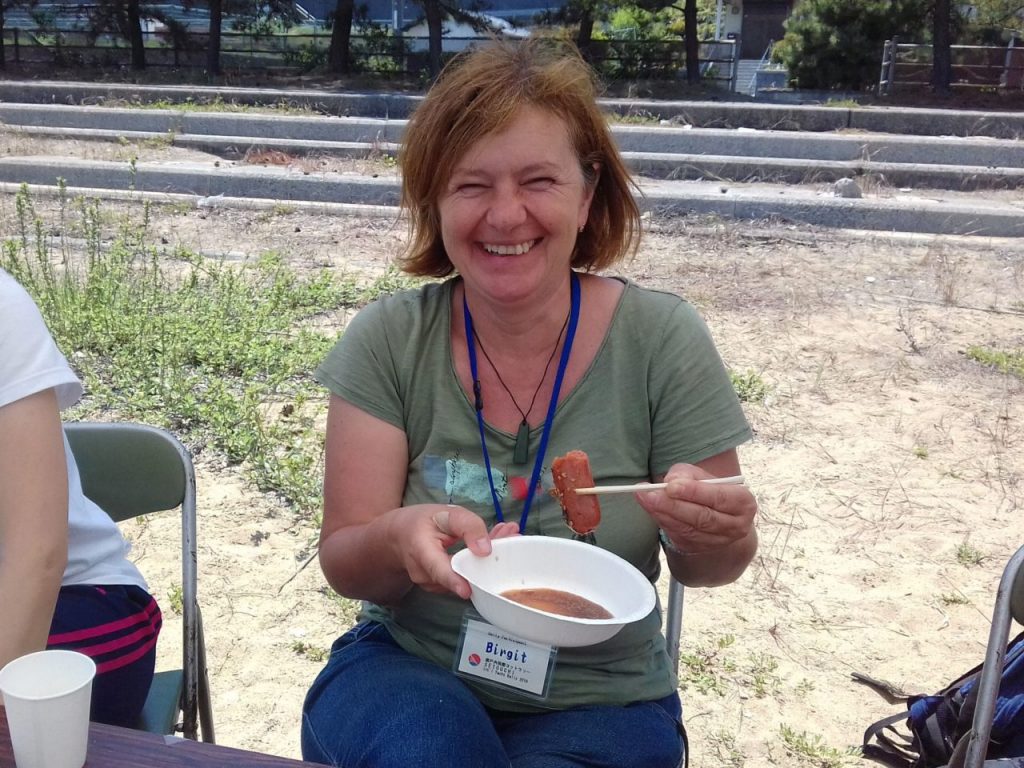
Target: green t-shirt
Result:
[[655, 395]]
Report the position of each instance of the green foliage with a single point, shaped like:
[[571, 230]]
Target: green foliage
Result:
[[176, 599], [837, 44], [306, 57], [221, 354], [1004, 361], [810, 749], [376, 50], [708, 667], [311, 652], [969, 555], [749, 386]]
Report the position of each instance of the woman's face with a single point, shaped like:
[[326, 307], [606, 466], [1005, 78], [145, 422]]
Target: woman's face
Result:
[[512, 209]]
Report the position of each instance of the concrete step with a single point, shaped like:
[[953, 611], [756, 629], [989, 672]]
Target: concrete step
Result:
[[892, 148], [206, 182], [659, 165], [708, 114], [973, 153]]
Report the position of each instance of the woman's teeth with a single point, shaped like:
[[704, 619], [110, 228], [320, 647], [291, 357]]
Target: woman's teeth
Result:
[[510, 250]]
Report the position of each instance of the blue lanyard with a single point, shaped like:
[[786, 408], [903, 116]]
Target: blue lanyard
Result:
[[478, 402]]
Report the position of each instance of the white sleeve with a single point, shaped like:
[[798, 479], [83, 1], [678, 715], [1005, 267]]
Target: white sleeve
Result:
[[29, 359]]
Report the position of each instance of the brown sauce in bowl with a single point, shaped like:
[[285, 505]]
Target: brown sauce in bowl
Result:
[[557, 601]]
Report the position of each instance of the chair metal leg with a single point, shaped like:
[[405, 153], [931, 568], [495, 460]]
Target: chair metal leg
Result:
[[674, 621], [205, 704]]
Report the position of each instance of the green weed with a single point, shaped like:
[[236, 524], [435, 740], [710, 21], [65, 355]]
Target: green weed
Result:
[[217, 104], [176, 599], [310, 652], [969, 555], [726, 752], [953, 598], [707, 668], [810, 749], [763, 675], [1004, 361], [749, 386]]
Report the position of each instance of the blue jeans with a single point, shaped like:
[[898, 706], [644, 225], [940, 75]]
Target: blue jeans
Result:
[[376, 706]]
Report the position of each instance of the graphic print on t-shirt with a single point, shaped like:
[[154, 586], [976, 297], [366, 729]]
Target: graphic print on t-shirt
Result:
[[463, 481]]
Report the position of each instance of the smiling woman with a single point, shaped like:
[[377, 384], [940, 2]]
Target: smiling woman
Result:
[[448, 403]]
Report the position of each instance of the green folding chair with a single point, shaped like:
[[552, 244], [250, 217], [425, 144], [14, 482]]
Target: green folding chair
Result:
[[131, 470]]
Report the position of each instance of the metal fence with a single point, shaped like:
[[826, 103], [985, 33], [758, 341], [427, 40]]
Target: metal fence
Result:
[[975, 67], [375, 53]]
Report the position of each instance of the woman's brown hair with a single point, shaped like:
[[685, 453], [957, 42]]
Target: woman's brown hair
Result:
[[479, 93]]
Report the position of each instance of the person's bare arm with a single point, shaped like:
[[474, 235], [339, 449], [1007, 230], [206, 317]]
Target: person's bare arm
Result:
[[372, 548], [33, 521], [710, 527]]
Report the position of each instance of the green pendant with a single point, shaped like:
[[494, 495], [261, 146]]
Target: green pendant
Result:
[[522, 450]]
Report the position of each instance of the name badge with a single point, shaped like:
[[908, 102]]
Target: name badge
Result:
[[497, 657]]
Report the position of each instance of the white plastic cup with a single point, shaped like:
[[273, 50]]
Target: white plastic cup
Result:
[[47, 696]]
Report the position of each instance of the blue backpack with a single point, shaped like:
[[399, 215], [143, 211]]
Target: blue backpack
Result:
[[935, 725]]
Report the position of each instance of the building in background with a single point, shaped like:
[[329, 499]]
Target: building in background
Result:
[[519, 12]]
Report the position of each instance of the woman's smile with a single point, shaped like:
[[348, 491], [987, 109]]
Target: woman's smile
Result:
[[509, 250]]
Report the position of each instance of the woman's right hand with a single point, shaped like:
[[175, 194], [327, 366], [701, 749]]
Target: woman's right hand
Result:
[[422, 535]]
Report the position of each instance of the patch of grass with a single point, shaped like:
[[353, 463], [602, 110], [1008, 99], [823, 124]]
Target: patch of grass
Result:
[[762, 672], [707, 668], [311, 652], [804, 688], [1004, 361], [725, 750], [749, 386], [635, 117], [968, 555], [810, 749], [216, 104], [842, 103], [953, 598], [193, 345], [176, 599]]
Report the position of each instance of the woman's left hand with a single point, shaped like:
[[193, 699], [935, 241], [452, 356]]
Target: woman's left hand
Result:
[[700, 517]]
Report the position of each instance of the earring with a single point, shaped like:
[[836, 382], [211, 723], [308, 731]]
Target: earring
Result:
[[582, 228]]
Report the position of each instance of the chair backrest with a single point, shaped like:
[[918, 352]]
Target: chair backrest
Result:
[[134, 469], [131, 469], [1009, 606]]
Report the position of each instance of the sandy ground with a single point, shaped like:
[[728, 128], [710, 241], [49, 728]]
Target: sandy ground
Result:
[[888, 466]]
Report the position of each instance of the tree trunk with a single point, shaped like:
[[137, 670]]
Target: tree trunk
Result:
[[213, 38], [3, 53], [135, 35], [435, 21], [585, 34], [691, 43], [341, 35], [942, 59]]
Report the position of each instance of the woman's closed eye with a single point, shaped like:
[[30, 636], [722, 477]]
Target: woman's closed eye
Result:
[[540, 182], [470, 188]]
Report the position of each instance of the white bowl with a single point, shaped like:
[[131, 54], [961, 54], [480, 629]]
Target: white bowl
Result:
[[524, 562]]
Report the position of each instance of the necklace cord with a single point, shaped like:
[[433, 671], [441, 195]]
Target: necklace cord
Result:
[[543, 378]]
